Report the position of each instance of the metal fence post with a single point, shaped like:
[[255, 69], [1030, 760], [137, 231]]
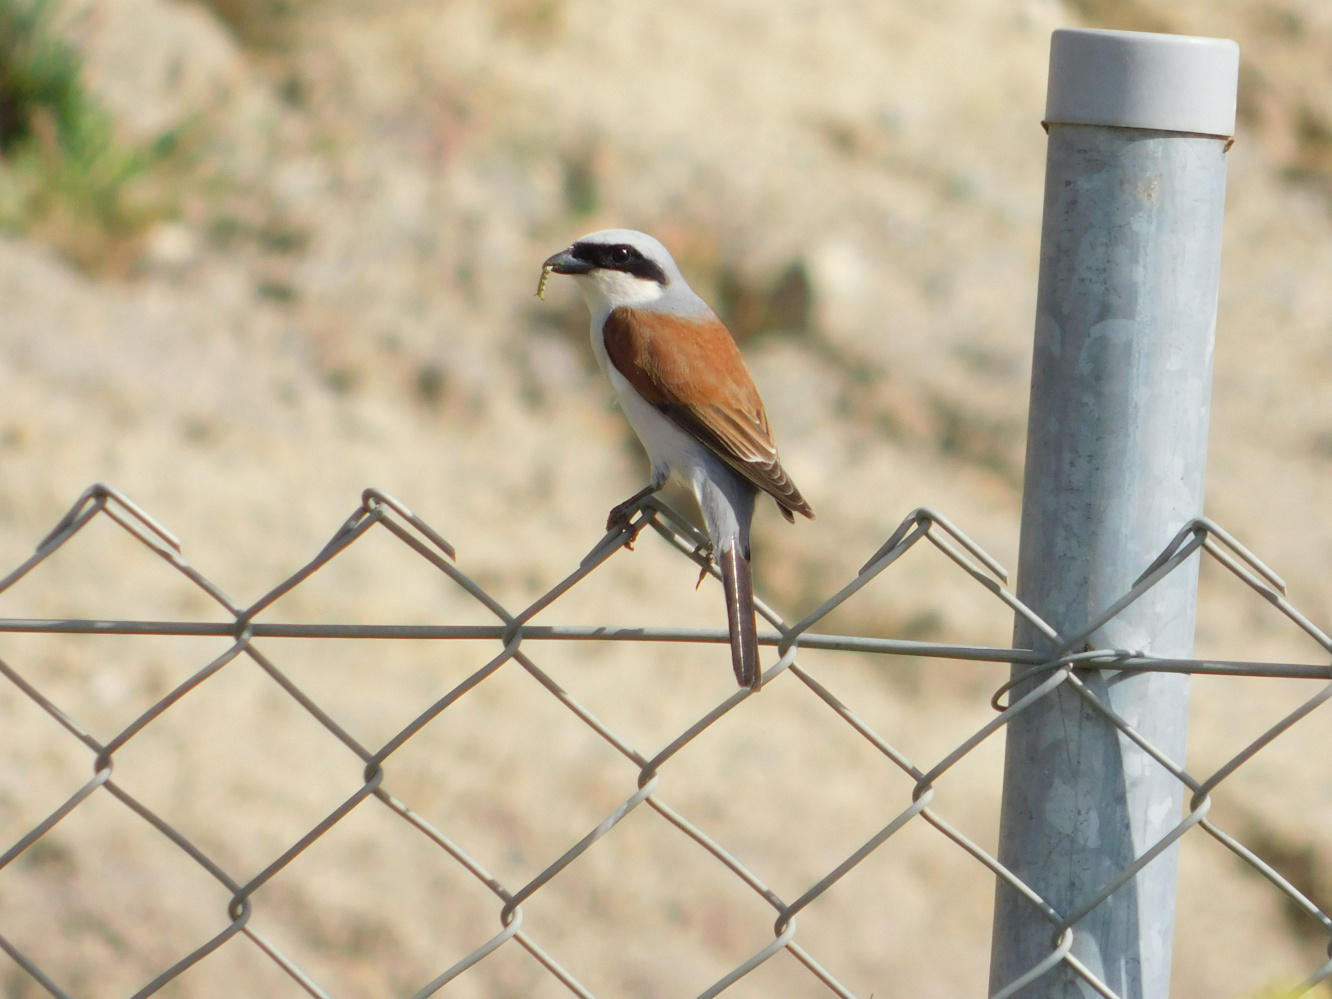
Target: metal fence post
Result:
[[1116, 448]]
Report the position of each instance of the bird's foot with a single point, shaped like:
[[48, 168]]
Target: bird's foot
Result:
[[621, 516], [704, 552]]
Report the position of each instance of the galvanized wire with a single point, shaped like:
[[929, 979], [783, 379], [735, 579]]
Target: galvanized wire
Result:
[[1066, 668]]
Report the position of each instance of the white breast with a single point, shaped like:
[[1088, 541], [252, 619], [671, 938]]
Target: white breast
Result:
[[670, 449]]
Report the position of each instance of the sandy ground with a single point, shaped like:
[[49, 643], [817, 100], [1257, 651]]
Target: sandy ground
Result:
[[346, 300]]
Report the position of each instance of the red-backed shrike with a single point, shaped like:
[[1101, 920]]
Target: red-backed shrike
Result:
[[686, 391]]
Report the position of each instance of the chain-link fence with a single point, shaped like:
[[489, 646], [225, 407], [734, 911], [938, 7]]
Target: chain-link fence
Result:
[[520, 647]]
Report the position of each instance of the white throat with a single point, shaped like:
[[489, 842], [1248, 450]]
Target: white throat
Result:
[[605, 290]]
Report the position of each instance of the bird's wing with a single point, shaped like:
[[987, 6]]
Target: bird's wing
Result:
[[692, 371]]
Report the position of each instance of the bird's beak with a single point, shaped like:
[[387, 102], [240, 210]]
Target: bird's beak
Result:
[[565, 262]]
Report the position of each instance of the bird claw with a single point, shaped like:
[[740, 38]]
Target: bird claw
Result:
[[621, 515], [620, 519], [703, 551]]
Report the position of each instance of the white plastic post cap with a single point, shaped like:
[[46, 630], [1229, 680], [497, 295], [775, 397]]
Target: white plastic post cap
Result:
[[1136, 79]]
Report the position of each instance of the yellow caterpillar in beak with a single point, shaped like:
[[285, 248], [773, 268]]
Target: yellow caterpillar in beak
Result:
[[541, 285]]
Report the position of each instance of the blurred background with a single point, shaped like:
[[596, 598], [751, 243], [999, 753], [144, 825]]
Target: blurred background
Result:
[[260, 254]]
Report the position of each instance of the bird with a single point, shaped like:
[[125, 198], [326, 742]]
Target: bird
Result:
[[684, 388]]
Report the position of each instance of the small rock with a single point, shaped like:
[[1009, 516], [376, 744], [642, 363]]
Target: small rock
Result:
[[171, 245]]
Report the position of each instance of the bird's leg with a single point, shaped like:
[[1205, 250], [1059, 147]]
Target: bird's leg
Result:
[[706, 552], [620, 514]]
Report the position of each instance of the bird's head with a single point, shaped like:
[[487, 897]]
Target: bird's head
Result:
[[617, 267]]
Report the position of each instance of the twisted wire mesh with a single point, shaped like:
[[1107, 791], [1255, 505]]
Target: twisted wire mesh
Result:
[[516, 635]]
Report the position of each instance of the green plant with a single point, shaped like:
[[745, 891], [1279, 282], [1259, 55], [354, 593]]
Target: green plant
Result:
[[63, 175]]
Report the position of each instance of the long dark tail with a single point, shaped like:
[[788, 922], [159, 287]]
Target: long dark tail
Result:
[[739, 586]]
